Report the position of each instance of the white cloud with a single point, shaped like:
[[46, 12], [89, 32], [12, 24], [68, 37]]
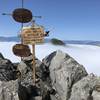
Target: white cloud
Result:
[[87, 55]]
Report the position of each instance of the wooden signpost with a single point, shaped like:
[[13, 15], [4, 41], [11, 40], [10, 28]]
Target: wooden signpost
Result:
[[29, 35], [22, 15], [32, 35], [21, 50]]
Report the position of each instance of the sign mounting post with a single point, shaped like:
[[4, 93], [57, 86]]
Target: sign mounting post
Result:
[[33, 50], [29, 35], [33, 35]]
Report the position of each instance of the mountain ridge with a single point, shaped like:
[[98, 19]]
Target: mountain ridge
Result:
[[47, 40]]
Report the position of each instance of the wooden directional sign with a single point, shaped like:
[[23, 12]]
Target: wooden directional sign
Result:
[[21, 50], [22, 15], [32, 35]]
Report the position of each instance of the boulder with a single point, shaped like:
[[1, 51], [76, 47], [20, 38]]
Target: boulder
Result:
[[87, 88], [58, 77], [26, 69], [64, 73], [9, 90], [26, 79], [1, 56], [7, 70]]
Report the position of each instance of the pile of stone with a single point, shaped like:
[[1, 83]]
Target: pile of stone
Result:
[[58, 77]]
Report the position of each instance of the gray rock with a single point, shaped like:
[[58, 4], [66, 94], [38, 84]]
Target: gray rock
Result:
[[96, 95], [7, 70], [9, 90], [25, 67], [86, 88], [1, 56], [38, 98], [64, 72], [42, 77], [58, 77]]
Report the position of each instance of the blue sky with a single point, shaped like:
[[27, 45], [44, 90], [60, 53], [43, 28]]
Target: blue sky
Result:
[[67, 19]]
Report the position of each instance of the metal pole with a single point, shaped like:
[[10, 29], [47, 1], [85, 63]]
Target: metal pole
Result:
[[22, 3], [22, 19], [33, 49], [21, 32]]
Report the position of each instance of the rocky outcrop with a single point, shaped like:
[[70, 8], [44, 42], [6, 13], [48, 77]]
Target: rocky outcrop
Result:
[[26, 67], [58, 77], [42, 89], [86, 88], [1, 56], [64, 73], [9, 90], [7, 70]]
